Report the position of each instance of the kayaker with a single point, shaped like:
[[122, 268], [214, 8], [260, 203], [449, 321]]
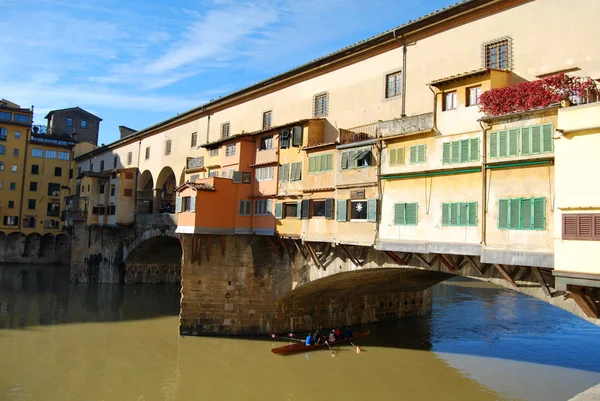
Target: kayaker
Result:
[[309, 340], [332, 336], [337, 333], [317, 337], [348, 332]]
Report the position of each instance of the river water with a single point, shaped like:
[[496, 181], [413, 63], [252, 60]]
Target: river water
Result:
[[61, 341]]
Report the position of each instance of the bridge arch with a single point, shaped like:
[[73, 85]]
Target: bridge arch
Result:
[[165, 194], [156, 259], [145, 193]]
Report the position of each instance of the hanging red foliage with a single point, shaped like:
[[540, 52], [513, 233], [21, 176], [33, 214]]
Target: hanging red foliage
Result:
[[538, 94]]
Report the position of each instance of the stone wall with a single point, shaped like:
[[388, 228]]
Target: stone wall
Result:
[[18, 248], [88, 134]]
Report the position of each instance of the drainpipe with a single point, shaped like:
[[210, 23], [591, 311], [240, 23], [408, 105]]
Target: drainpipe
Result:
[[403, 95], [484, 183], [27, 136], [208, 127], [434, 108]]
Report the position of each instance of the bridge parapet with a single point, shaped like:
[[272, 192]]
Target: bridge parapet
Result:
[[157, 219]]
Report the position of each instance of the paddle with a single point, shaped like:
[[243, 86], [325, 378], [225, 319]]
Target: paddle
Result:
[[287, 338], [357, 348], [332, 354]]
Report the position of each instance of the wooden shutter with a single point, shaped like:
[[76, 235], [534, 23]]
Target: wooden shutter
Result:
[[515, 214], [329, 208], [284, 138], [412, 214], [193, 204], [399, 214], [493, 144], [513, 142], [329, 159], [299, 171], [178, 205], [393, 157], [454, 214], [344, 160], [569, 226], [312, 161], [472, 217], [539, 214], [278, 210], [445, 214], [237, 177], [596, 232], [446, 153], [401, 156], [297, 135], [372, 210], [464, 150], [304, 209], [503, 143], [474, 149], [241, 208], [422, 149], [547, 138], [318, 164], [526, 140], [413, 154], [503, 206], [462, 213], [536, 139], [585, 226], [526, 214], [284, 172], [342, 208], [455, 152]]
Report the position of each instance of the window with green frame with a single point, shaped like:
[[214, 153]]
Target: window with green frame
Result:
[[466, 150], [320, 163], [459, 214], [406, 214], [418, 154], [357, 159], [537, 139], [522, 214], [396, 156]]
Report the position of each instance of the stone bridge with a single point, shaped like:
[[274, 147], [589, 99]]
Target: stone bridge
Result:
[[145, 251]]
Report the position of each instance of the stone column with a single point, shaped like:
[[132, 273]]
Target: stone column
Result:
[[156, 202]]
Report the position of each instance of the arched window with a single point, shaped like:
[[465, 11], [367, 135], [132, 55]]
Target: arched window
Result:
[[2, 150], [3, 134]]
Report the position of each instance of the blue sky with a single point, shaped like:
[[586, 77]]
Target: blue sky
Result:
[[138, 62]]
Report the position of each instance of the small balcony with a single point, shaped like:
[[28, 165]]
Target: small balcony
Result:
[[397, 126]]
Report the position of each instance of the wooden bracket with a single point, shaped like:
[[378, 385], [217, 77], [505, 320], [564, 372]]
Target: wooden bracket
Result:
[[285, 247], [346, 251], [394, 256], [272, 243], [585, 302], [313, 255], [363, 255], [299, 248], [505, 274], [423, 260], [450, 265], [469, 259], [540, 279]]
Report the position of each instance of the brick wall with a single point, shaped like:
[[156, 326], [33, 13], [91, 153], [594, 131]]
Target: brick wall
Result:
[[88, 134]]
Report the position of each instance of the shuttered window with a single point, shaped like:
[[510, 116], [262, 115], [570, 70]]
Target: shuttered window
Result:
[[320, 163], [357, 159], [466, 150], [329, 202], [459, 214], [584, 227], [297, 136], [304, 209], [284, 173], [397, 157], [279, 210], [406, 214], [418, 154], [342, 210], [296, 171], [537, 139], [522, 214], [264, 173], [244, 208]]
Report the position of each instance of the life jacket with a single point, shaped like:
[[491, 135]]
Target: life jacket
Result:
[[309, 340]]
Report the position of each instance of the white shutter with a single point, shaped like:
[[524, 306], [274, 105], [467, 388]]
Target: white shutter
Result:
[[193, 204], [178, 205]]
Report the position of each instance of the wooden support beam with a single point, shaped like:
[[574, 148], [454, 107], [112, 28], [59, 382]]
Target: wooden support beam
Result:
[[346, 251], [326, 251], [363, 255], [313, 255], [471, 261], [446, 263], [540, 279], [285, 247], [423, 260], [585, 302], [505, 274], [299, 248], [272, 243], [394, 256], [408, 257]]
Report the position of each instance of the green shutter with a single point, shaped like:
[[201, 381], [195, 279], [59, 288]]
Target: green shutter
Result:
[[311, 164], [284, 172], [526, 140], [474, 150], [503, 206], [177, 204], [413, 154], [464, 151], [422, 153], [298, 175], [454, 152], [372, 210], [352, 159], [446, 153], [536, 139], [279, 210], [329, 165], [539, 213], [462, 213], [515, 222], [317, 164], [193, 204], [503, 144], [399, 215], [493, 144], [526, 216], [344, 160], [547, 138], [513, 142], [472, 219], [454, 214], [393, 157], [401, 156], [299, 210], [412, 214], [445, 214], [342, 208]]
